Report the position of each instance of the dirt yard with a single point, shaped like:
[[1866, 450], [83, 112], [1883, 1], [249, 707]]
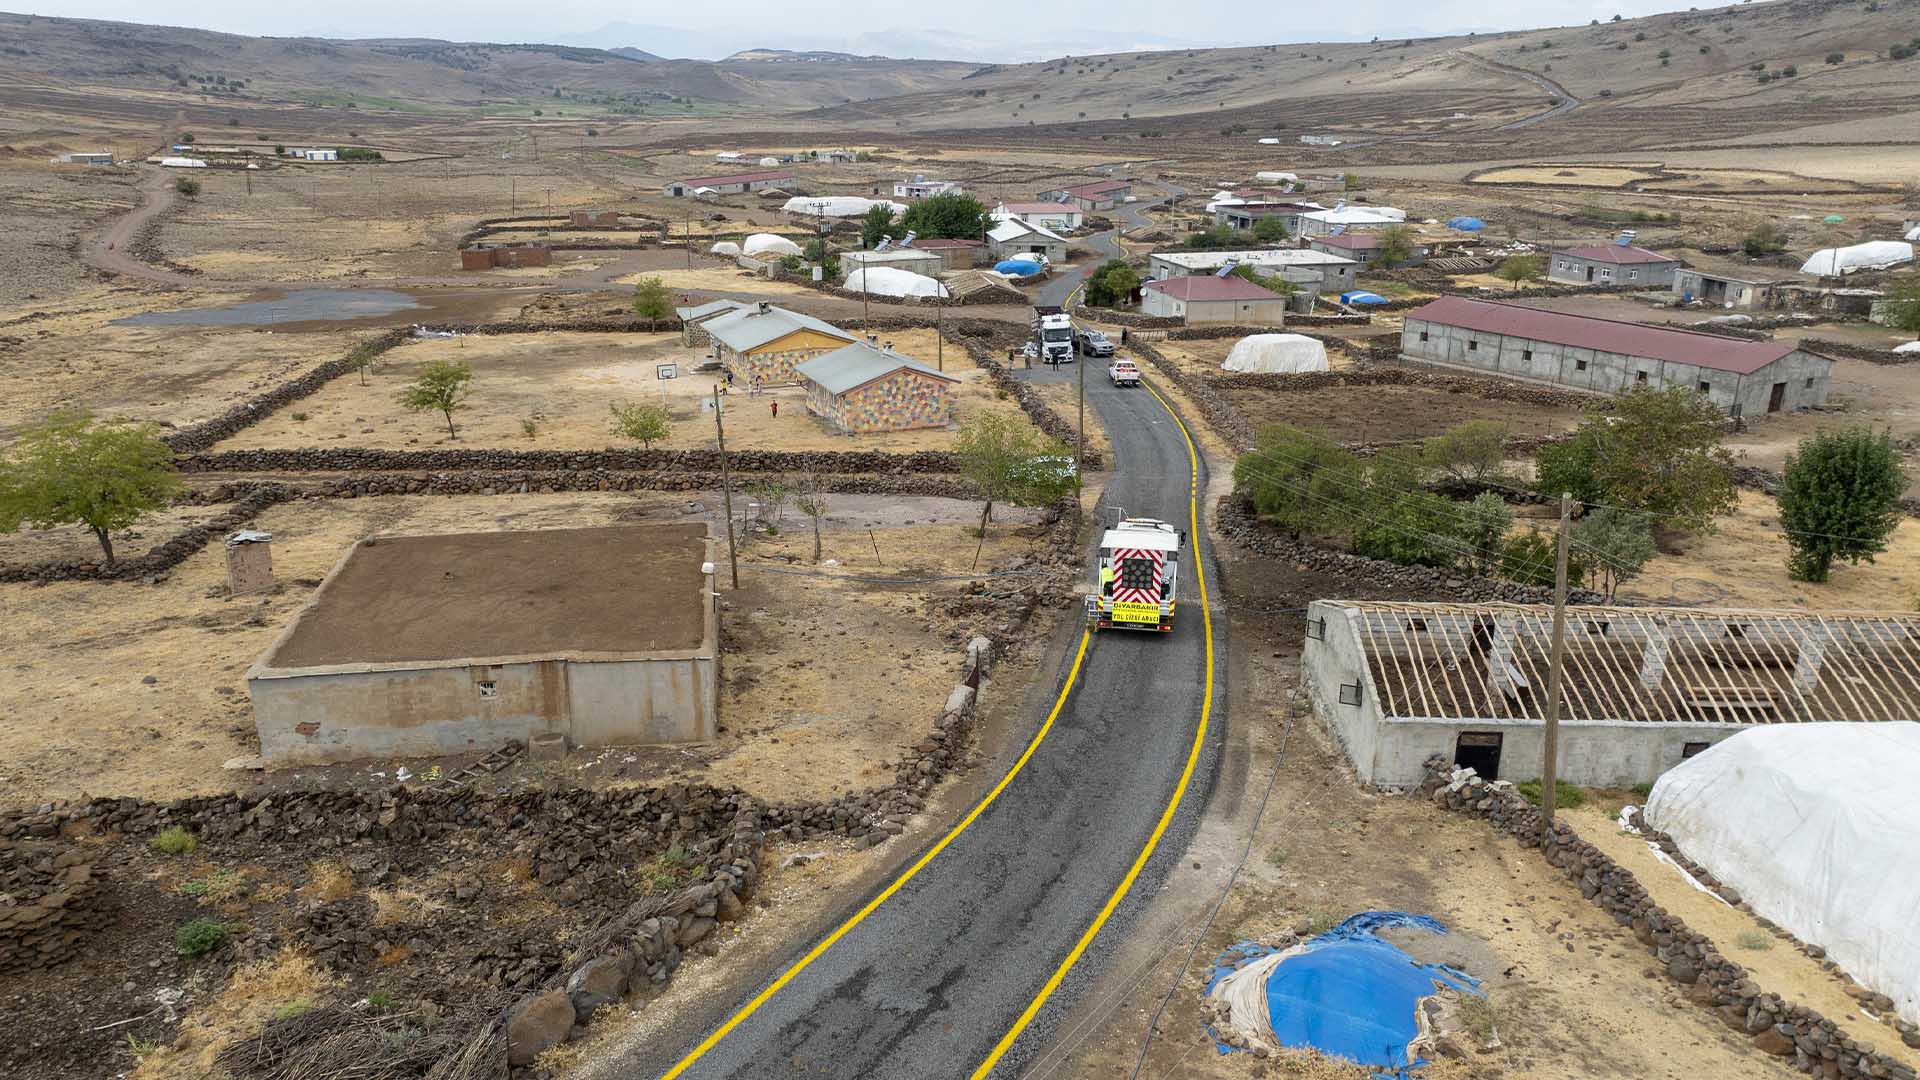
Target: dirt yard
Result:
[[799, 646], [719, 277], [1364, 414], [565, 384], [1204, 357]]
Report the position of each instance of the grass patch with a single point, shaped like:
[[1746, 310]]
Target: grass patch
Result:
[[140, 1047], [1643, 790], [1565, 796], [1753, 939], [1319, 921], [1276, 858], [217, 886], [402, 907], [379, 1001], [329, 881], [666, 871], [175, 840], [1476, 1013], [296, 1007], [198, 937]]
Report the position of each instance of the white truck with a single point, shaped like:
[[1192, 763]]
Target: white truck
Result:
[[1136, 576], [1123, 373], [1053, 333]]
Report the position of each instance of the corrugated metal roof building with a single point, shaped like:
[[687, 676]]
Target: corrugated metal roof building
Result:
[[1228, 301], [862, 390], [1607, 356], [1612, 264], [766, 343]]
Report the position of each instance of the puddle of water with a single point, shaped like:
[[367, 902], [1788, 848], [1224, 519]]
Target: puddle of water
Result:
[[301, 305]]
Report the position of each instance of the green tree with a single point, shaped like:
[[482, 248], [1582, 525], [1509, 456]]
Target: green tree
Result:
[[441, 387], [1006, 460], [1902, 304], [815, 251], [1519, 268], [1273, 282], [362, 358], [187, 186], [1617, 545], [69, 470], [1484, 525], [1474, 451], [645, 423], [1270, 230], [877, 224], [1302, 481], [1763, 239], [651, 300], [950, 214], [1211, 239], [1653, 450], [1111, 284], [1396, 246], [1840, 500], [1401, 522]]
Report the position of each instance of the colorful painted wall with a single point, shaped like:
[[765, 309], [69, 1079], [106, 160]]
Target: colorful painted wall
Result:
[[774, 362], [901, 401]]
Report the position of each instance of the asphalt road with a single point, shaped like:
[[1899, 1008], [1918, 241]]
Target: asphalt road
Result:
[[928, 983]]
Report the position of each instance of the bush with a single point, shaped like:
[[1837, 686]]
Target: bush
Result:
[[174, 841], [359, 153], [1300, 479], [1765, 238], [1836, 58], [187, 186], [1565, 796], [1840, 499], [198, 937], [1473, 451]]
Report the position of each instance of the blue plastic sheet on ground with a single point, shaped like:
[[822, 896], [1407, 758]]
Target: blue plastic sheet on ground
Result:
[[1018, 267], [1361, 296], [1350, 994], [1467, 224]]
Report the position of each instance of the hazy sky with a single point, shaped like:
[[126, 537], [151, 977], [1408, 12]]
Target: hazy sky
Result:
[[1051, 30]]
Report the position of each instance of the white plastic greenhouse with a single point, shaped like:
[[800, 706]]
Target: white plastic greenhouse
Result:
[[725, 247], [1872, 255], [1816, 825], [761, 243], [893, 281], [1284, 353]]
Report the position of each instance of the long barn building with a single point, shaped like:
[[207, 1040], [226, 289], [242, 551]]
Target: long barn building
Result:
[[1607, 356]]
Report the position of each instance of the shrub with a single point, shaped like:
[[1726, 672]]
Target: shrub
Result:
[[1565, 796], [198, 937], [296, 1007], [298, 417], [1765, 238], [1789, 71], [1836, 57], [187, 186], [174, 841], [1753, 939]]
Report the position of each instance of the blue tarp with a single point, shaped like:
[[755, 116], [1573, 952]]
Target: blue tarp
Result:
[[1018, 267], [1349, 994], [1467, 224], [1361, 296]]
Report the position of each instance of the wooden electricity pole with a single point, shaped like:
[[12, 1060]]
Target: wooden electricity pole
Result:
[[1080, 455], [726, 487], [1550, 763], [940, 331]]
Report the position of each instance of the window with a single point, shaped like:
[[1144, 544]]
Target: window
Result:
[[1809, 384], [1563, 264], [1473, 346], [1688, 750], [1423, 335], [1349, 693], [488, 688], [1606, 273], [1417, 625], [1639, 376], [1526, 354], [1706, 388], [1632, 275], [1579, 365]]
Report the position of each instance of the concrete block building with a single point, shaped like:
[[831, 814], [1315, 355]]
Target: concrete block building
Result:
[[766, 343], [730, 183], [1612, 264], [1334, 273], [1607, 355], [920, 188], [1098, 195], [1722, 289], [914, 260], [955, 254], [1643, 688], [418, 646], [594, 219], [1060, 217], [1227, 301], [1013, 238], [1364, 248], [862, 390]]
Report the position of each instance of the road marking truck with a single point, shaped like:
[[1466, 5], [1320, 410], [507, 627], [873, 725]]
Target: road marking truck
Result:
[[1137, 574]]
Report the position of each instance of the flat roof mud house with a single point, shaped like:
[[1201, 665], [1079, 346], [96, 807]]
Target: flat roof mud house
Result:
[[418, 646], [1364, 247], [730, 184], [1607, 356], [766, 342], [955, 254], [1612, 264], [1723, 288], [1300, 265], [1644, 688], [861, 390], [1227, 301]]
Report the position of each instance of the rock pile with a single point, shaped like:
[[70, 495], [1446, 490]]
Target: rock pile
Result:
[[50, 902], [1815, 1044]]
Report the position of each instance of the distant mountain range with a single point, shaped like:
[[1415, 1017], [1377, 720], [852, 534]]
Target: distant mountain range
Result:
[[637, 39]]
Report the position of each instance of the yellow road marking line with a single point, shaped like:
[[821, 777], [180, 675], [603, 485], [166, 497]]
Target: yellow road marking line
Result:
[[1186, 776], [753, 1006]]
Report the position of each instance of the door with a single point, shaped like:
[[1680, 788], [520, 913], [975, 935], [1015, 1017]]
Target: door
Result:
[[1778, 398], [1589, 273], [1479, 751]]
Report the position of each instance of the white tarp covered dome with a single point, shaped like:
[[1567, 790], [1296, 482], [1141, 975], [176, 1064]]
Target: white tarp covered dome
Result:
[[893, 281], [838, 205], [1275, 176], [762, 243], [1872, 255], [1816, 825], [724, 247], [1285, 353], [769, 162], [1911, 346], [1913, 233]]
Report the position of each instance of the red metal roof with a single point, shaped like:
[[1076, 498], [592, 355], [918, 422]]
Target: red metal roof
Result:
[[1606, 335], [1040, 208], [1615, 253], [1208, 287], [944, 242], [1098, 187], [1350, 241], [738, 178]]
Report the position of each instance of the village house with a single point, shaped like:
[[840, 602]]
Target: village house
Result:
[[1723, 288], [505, 256], [920, 188], [694, 317], [730, 184], [1227, 301], [766, 343], [594, 219], [1644, 688], [1013, 238], [1349, 219], [1058, 216], [1305, 266], [1245, 213], [1364, 248], [1612, 264], [955, 254], [861, 390], [1607, 356], [913, 260], [1099, 195]]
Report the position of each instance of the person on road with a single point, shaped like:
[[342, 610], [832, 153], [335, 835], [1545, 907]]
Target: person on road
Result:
[[1123, 335], [729, 378], [775, 406]]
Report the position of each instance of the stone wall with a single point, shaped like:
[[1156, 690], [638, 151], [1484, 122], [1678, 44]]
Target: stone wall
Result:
[[1795, 1033], [50, 903], [1542, 292], [1830, 348], [1488, 389], [363, 459], [248, 413], [162, 557]]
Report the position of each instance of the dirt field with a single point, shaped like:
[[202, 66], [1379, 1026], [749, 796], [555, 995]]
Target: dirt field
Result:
[[718, 277], [801, 647], [1360, 414], [1604, 176], [565, 383], [1205, 356]]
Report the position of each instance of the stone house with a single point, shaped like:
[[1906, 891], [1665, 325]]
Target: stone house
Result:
[[766, 343], [955, 254], [1364, 248], [861, 390], [1612, 264]]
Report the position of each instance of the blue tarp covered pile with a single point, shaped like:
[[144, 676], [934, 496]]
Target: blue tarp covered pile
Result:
[[1018, 267], [1467, 224], [1347, 993], [1361, 296]]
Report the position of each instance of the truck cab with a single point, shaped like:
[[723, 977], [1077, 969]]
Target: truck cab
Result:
[[1136, 576], [1053, 333]]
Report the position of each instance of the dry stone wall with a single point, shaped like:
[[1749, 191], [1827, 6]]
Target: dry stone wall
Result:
[[50, 903], [1795, 1033], [162, 557], [361, 459]]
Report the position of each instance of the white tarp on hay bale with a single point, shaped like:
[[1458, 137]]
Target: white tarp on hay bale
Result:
[[1285, 353], [1872, 255], [893, 281], [724, 247], [838, 205], [1816, 825], [761, 243]]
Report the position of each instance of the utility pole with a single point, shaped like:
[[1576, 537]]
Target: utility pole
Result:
[[940, 331], [726, 487], [689, 239], [1080, 455], [1550, 763], [513, 194]]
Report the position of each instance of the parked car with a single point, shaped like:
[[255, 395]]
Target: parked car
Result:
[[1092, 342], [1123, 373]]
